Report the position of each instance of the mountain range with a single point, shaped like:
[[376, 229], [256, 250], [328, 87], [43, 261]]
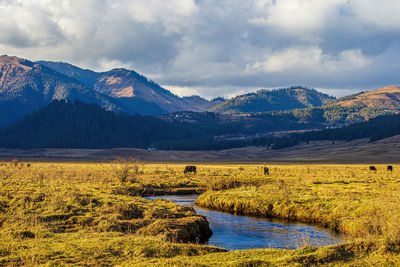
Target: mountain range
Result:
[[299, 100], [26, 86], [132, 89]]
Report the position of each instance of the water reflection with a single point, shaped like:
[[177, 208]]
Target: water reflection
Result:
[[245, 232]]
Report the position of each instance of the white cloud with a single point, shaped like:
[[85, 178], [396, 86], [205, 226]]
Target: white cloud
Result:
[[298, 16], [171, 13], [382, 13], [181, 90], [311, 58], [28, 25], [211, 92], [106, 64], [214, 47]]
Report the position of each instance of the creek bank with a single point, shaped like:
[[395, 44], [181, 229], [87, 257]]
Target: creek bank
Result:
[[235, 232], [146, 191]]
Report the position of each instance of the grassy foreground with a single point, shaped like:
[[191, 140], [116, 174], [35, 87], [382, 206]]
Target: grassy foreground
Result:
[[92, 214], [347, 199]]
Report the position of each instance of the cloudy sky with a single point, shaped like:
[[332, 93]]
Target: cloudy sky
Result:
[[215, 47]]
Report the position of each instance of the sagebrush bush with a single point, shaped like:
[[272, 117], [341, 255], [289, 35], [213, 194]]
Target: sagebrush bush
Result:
[[125, 169]]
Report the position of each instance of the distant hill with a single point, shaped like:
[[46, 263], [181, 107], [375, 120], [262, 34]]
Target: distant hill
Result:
[[375, 129], [200, 104], [274, 100], [26, 86], [346, 110], [387, 98], [134, 90]]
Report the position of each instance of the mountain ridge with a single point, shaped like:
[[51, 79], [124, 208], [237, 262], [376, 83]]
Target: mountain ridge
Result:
[[133, 88], [387, 97], [26, 86], [282, 99]]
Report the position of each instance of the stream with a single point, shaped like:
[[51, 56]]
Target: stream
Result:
[[235, 232]]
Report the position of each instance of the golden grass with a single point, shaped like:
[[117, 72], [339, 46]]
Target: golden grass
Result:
[[43, 204], [386, 97], [348, 199], [356, 253], [85, 214]]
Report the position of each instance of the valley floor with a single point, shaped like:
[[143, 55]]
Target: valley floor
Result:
[[353, 152], [93, 214]]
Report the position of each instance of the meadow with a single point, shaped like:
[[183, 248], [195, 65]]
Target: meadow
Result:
[[93, 214]]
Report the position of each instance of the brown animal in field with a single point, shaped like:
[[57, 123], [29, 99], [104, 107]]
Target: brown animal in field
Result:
[[266, 171], [389, 168], [189, 169], [372, 168]]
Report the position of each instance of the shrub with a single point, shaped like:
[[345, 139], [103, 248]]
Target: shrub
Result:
[[125, 168]]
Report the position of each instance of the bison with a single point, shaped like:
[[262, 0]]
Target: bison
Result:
[[389, 168], [266, 171], [372, 168], [189, 169]]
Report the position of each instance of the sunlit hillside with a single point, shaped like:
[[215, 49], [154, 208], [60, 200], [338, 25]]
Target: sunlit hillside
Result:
[[386, 98]]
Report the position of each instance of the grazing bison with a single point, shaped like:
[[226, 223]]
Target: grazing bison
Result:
[[190, 169], [389, 168], [266, 171], [372, 168]]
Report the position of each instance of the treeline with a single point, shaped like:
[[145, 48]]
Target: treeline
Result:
[[327, 115], [78, 125], [64, 124], [375, 129]]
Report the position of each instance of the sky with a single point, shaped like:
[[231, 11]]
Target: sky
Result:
[[215, 47]]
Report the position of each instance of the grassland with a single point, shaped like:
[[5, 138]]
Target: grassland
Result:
[[92, 213], [347, 199]]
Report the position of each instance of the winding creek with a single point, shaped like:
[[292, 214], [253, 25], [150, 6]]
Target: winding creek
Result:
[[235, 232]]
